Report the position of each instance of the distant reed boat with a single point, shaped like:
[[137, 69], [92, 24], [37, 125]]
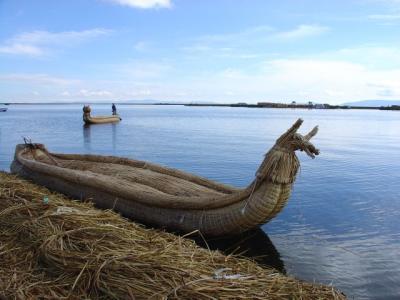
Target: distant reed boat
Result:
[[88, 119], [3, 109], [170, 198]]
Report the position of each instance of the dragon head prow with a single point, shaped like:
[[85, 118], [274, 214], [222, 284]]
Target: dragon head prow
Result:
[[292, 141], [281, 164]]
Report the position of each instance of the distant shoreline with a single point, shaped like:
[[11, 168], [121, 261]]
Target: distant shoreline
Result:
[[324, 106], [258, 105]]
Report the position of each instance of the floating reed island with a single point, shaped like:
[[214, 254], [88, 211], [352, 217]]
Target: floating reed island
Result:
[[170, 198], [55, 248], [88, 119]]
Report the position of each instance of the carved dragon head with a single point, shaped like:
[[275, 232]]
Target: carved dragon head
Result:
[[292, 141]]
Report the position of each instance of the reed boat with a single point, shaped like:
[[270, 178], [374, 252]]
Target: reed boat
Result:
[[3, 109], [88, 119], [166, 197]]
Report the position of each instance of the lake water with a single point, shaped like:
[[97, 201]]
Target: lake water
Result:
[[342, 223]]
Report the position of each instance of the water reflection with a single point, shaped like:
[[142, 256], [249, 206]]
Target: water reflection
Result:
[[86, 137], [114, 136], [254, 244], [106, 134]]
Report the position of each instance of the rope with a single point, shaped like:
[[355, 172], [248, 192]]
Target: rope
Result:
[[251, 195]]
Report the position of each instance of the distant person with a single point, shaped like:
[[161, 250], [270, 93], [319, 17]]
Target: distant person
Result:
[[114, 109]]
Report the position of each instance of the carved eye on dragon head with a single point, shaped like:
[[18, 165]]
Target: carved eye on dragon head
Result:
[[292, 141]]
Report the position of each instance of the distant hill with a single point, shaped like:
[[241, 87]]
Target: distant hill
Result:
[[375, 103]]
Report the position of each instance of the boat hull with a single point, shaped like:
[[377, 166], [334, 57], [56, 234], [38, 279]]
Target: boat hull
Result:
[[231, 212], [170, 198], [102, 120], [213, 222]]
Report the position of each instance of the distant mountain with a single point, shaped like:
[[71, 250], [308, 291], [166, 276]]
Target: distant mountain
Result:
[[375, 103]]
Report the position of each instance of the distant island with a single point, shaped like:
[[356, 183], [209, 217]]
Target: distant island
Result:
[[393, 107], [365, 104], [293, 104]]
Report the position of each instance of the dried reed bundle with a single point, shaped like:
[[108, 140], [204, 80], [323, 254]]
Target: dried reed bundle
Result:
[[68, 249], [281, 163]]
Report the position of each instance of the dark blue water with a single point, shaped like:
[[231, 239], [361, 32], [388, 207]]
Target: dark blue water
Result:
[[342, 224]]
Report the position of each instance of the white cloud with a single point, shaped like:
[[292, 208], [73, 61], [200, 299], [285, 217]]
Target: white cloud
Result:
[[38, 43], [302, 31], [143, 3], [139, 93], [329, 77], [302, 80], [389, 3], [41, 79], [249, 43], [85, 93], [322, 77], [16, 48], [262, 30], [261, 33], [143, 70], [386, 92], [142, 46], [94, 93], [63, 37], [385, 17], [370, 56], [282, 80], [234, 45]]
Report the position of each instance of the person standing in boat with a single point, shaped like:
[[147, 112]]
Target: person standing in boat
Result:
[[114, 109]]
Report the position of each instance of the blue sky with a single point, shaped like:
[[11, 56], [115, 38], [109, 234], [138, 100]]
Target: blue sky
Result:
[[187, 50]]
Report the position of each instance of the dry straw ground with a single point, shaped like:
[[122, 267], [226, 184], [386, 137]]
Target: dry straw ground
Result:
[[68, 249]]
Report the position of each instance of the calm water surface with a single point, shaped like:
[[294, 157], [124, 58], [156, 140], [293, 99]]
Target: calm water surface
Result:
[[341, 225]]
